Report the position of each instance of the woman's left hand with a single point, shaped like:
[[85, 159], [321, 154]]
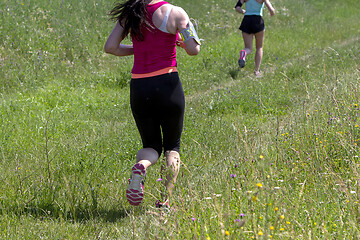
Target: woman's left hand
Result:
[[180, 42]]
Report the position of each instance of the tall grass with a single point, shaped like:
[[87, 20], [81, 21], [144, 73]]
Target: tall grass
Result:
[[271, 157]]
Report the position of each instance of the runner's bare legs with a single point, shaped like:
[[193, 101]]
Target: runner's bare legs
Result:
[[147, 157], [259, 41], [170, 170], [248, 42]]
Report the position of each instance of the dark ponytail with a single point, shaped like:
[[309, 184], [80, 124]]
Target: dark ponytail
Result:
[[132, 15]]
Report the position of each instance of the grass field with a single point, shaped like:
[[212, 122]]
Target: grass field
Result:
[[275, 157]]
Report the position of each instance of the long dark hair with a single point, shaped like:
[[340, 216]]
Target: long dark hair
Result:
[[132, 14]]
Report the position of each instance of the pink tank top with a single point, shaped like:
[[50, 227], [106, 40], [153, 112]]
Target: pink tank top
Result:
[[158, 49]]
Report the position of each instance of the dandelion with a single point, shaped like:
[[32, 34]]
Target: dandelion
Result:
[[282, 216], [270, 236], [272, 228], [276, 209], [282, 229], [287, 222], [227, 233], [254, 198], [259, 185], [260, 233], [261, 217], [261, 156]]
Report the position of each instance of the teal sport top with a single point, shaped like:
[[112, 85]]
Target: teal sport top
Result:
[[254, 8]]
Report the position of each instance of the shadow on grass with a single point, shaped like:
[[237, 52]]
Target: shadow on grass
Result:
[[80, 214]]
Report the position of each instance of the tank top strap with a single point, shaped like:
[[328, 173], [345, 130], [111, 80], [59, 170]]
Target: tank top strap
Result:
[[151, 8], [164, 22]]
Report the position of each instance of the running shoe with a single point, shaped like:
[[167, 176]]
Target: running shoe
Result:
[[135, 189], [258, 73], [164, 206], [160, 204], [242, 59]]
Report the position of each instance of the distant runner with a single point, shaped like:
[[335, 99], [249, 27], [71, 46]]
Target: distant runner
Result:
[[253, 25]]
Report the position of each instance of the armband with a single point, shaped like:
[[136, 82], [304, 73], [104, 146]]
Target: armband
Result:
[[190, 33], [239, 4]]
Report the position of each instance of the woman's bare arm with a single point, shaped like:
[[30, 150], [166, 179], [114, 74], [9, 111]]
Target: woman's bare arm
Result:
[[113, 44], [270, 7], [182, 22], [238, 7]]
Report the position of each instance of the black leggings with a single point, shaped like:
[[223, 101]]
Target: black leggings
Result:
[[158, 105]]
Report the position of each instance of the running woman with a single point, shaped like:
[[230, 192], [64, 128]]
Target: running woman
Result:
[[156, 95], [252, 26]]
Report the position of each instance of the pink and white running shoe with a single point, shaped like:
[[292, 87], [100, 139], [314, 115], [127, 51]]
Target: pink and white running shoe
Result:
[[242, 59], [135, 189]]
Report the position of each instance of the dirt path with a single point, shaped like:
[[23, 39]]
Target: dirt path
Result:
[[268, 70]]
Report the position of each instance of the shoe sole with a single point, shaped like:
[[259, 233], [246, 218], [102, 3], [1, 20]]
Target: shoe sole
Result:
[[241, 63], [135, 192]]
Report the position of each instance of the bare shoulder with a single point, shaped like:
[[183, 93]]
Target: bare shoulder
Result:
[[180, 13]]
